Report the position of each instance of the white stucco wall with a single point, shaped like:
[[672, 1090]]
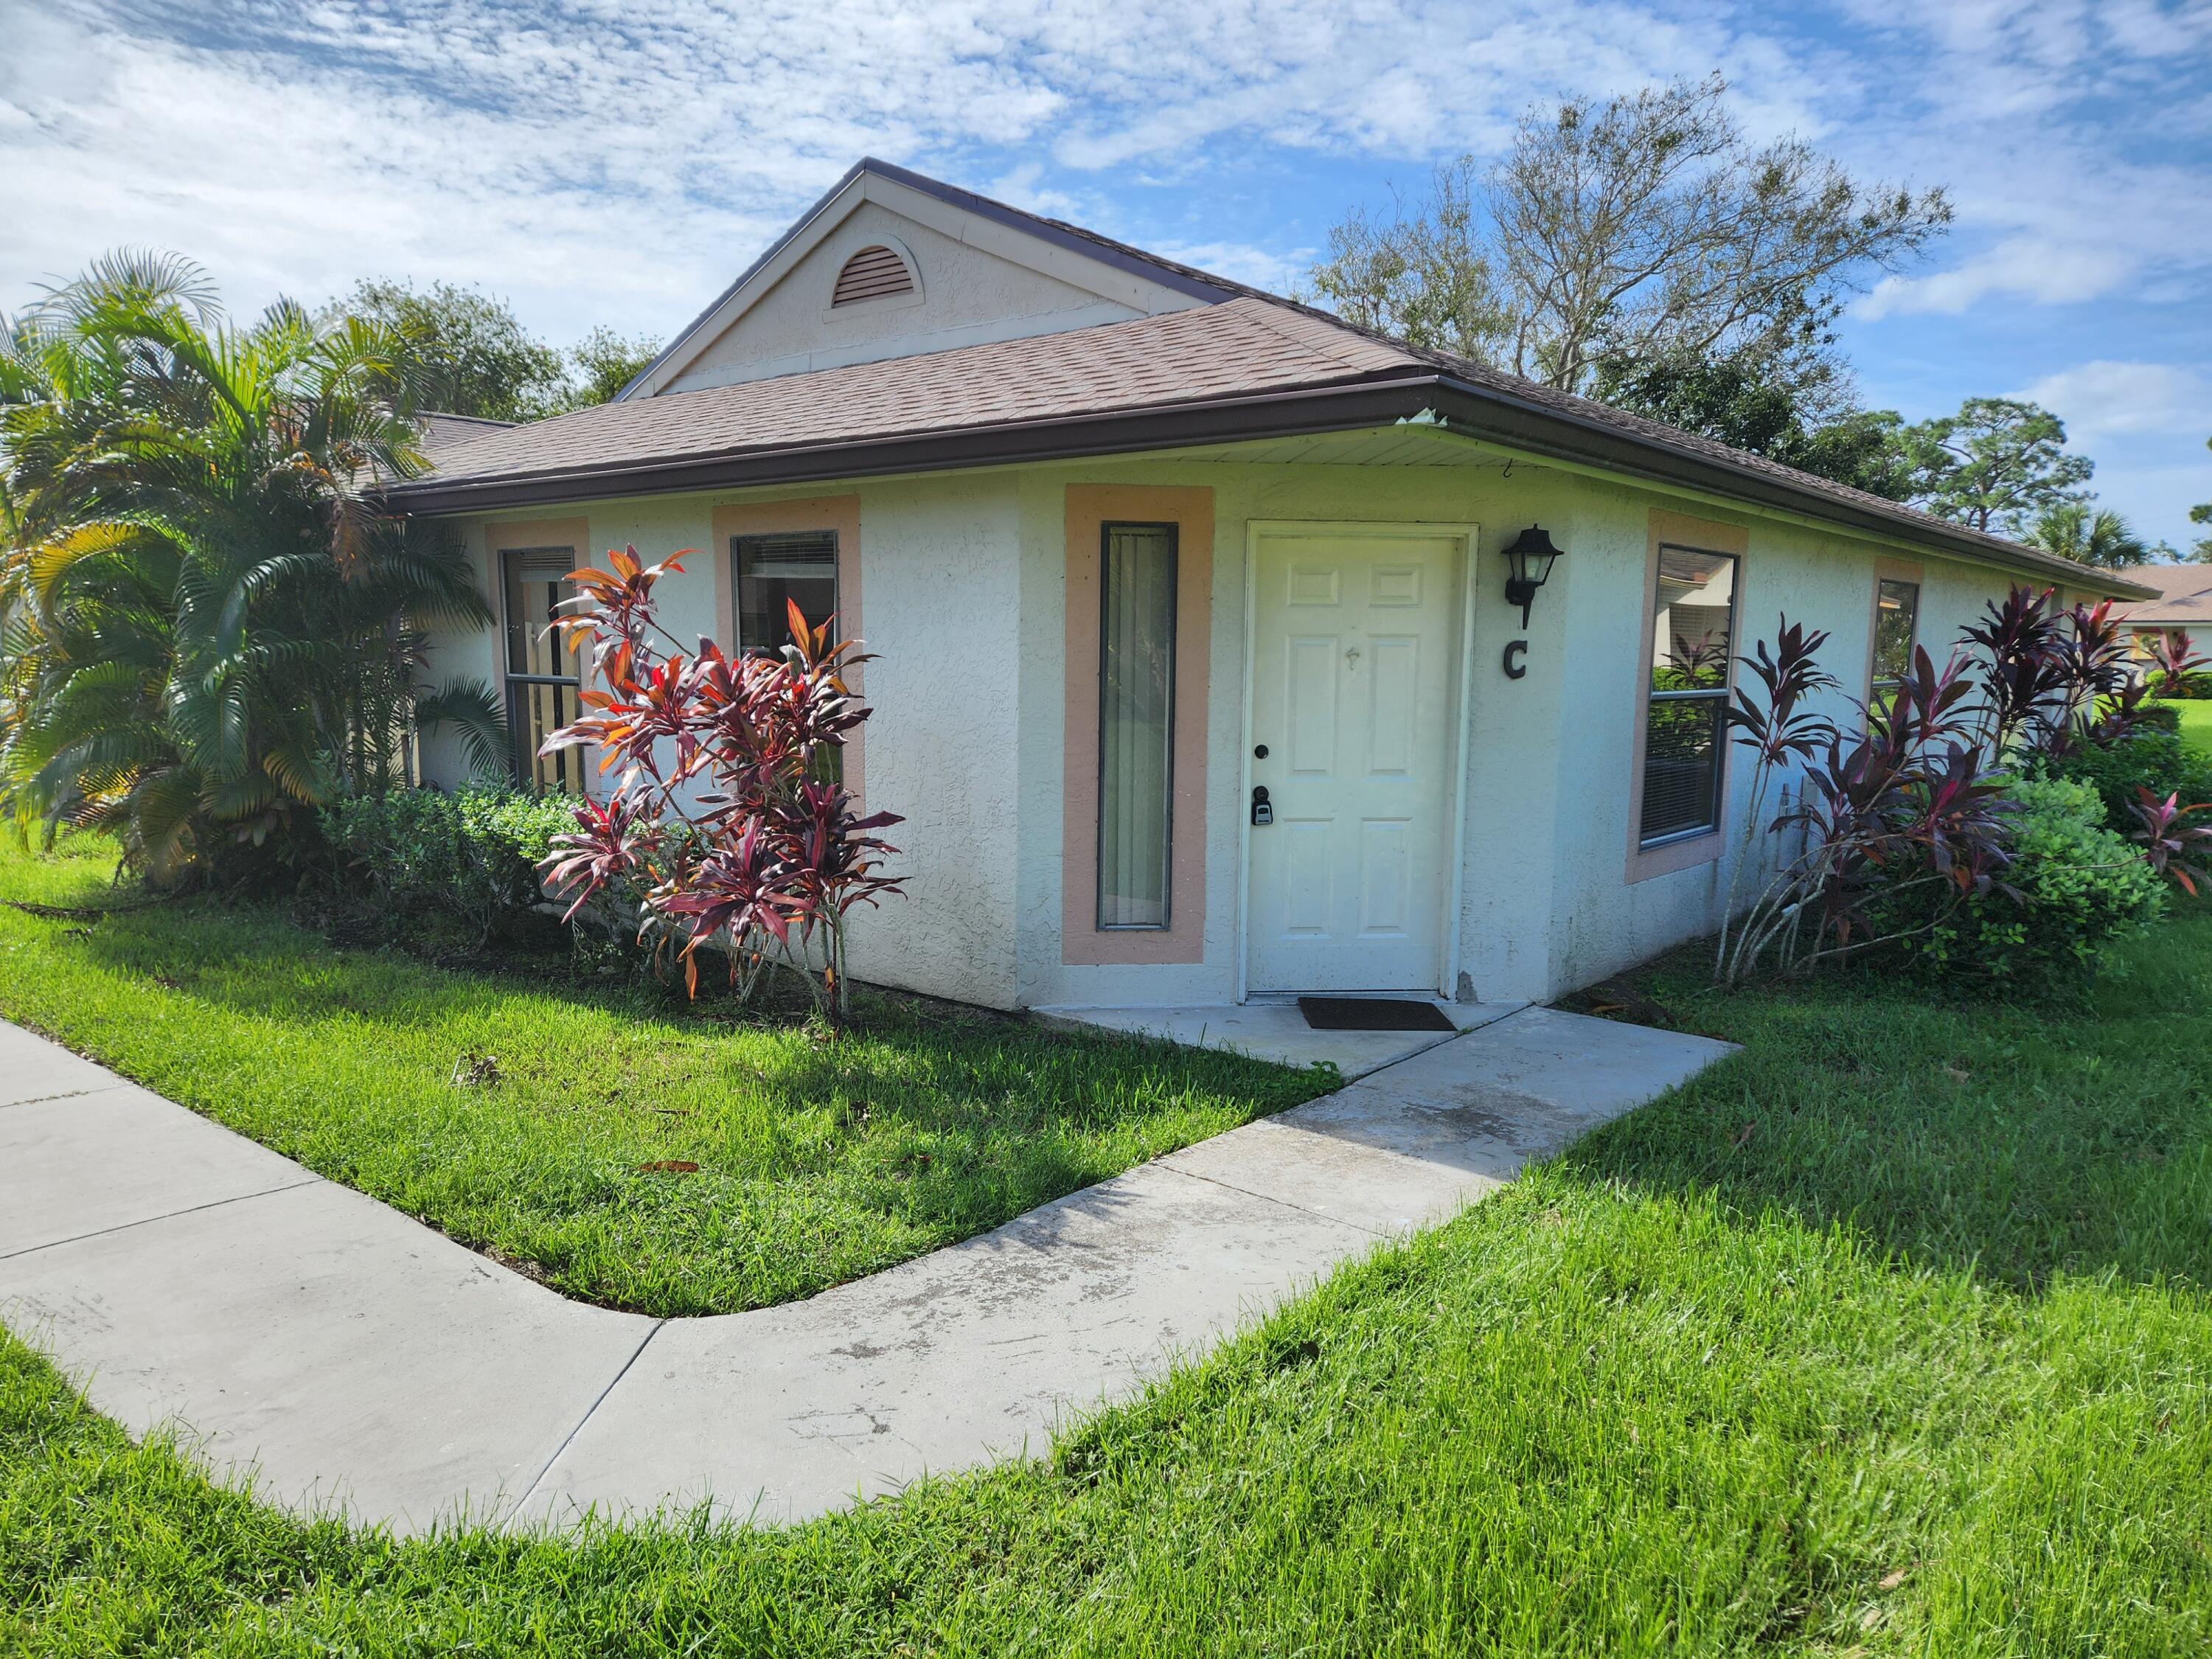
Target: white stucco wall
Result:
[[963, 595]]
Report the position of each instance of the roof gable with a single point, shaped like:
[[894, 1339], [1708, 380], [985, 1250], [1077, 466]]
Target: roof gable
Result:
[[979, 272]]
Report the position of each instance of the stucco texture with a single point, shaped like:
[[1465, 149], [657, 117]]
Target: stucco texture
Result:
[[966, 594]]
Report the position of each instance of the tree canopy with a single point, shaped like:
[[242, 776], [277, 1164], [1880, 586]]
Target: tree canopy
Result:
[[2088, 534], [471, 356], [1647, 227], [211, 623], [1734, 400], [1995, 465]]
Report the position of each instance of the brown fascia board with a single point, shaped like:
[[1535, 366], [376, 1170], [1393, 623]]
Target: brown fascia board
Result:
[[1387, 398], [1565, 437]]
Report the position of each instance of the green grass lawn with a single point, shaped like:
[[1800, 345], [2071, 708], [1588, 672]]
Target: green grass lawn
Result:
[[1892, 1336], [818, 1162], [2195, 722]]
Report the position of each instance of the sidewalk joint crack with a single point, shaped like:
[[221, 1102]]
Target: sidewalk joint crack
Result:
[[168, 1215], [568, 1439]]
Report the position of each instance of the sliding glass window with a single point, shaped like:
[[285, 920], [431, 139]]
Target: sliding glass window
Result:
[[1136, 723], [541, 676], [1685, 732]]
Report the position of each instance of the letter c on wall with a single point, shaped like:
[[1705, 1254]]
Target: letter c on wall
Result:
[[1515, 651]]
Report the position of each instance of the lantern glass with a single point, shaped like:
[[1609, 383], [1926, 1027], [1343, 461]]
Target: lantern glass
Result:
[[1529, 560]]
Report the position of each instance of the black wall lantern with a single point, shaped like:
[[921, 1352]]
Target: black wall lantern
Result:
[[1531, 558]]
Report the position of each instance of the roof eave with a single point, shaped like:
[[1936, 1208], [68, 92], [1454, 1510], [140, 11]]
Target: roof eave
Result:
[[1371, 400], [1481, 413], [1337, 407]]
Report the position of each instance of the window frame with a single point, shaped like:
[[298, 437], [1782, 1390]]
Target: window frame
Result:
[[1683, 849], [1166, 923], [1716, 808], [1886, 574], [1192, 509], [736, 538], [515, 684]]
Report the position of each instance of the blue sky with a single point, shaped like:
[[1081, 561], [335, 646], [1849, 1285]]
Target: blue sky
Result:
[[599, 162]]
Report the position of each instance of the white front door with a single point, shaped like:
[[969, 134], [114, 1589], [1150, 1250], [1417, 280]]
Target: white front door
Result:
[[1355, 685]]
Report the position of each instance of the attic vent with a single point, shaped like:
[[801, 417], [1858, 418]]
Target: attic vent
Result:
[[873, 273]]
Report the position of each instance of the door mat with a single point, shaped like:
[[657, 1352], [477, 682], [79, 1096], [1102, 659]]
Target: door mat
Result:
[[1373, 1014]]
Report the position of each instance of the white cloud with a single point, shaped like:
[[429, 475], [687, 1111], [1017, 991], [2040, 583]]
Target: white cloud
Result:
[[599, 160], [2111, 399], [2145, 424]]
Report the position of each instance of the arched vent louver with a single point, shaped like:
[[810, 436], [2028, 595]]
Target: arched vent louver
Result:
[[873, 273]]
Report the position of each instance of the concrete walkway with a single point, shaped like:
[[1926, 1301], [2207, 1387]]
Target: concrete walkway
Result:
[[1276, 1030], [186, 1275]]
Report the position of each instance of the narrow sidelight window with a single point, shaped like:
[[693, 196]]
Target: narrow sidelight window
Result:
[[773, 570], [1896, 618], [1136, 722], [542, 681], [1683, 733]]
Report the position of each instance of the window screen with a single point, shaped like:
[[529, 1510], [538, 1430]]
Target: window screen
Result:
[[541, 677], [1136, 723], [772, 572], [1896, 617], [1685, 734]]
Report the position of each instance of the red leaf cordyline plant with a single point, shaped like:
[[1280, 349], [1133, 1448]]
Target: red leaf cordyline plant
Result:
[[720, 817], [1916, 801], [1907, 803], [2174, 659], [2165, 838]]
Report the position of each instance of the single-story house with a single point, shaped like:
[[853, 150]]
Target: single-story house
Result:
[[2184, 605], [1199, 677]]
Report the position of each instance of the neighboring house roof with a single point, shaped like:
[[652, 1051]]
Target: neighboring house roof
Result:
[[1244, 364], [2185, 595]]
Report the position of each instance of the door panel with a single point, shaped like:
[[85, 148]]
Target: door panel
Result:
[[1394, 692], [1354, 682]]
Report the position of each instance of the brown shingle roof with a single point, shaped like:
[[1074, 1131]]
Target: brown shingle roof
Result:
[[1240, 348], [2184, 594]]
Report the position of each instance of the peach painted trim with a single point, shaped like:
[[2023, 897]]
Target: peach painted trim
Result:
[[841, 514], [1090, 508], [1891, 570], [1703, 535], [514, 535], [500, 539]]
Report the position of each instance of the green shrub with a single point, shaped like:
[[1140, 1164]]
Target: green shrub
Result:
[[2082, 886], [2158, 716], [471, 855], [2194, 686], [2156, 761]]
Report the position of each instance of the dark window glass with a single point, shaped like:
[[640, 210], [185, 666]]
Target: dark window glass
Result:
[[541, 675], [1896, 615], [773, 572], [1693, 635], [1136, 723]]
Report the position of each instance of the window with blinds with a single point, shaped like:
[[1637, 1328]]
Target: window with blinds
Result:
[[541, 682], [873, 273], [775, 572], [1136, 723], [1685, 732]]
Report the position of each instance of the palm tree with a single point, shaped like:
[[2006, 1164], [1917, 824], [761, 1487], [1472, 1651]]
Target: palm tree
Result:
[[2086, 535], [210, 625]]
